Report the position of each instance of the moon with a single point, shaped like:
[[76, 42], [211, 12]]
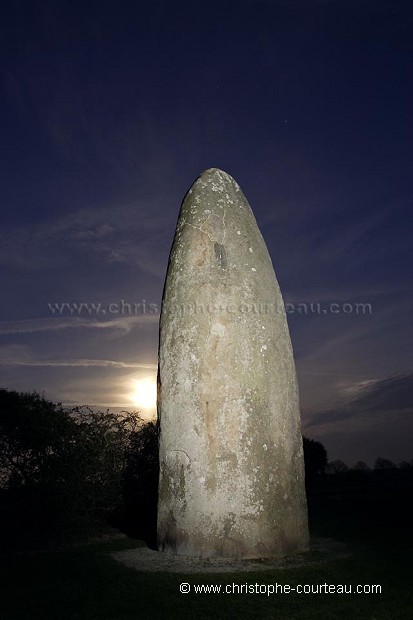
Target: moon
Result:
[[144, 394]]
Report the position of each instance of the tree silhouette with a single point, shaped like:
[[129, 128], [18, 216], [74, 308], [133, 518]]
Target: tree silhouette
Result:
[[361, 466], [383, 464], [315, 459], [337, 467]]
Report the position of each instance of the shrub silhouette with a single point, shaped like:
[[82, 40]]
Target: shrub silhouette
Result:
[[59, 468], [137, 514]]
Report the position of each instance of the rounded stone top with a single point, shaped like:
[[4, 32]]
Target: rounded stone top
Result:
[[216, 180], [211, 170], [214, 171]]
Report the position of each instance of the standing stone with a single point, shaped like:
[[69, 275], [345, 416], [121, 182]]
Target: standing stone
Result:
[[231, 458]]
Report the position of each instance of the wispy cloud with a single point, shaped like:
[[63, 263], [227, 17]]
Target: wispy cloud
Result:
[[77, 363], [131, 234], [370, 398], [332, 248], [124, 323]]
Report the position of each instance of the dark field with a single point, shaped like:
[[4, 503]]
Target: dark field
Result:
[[372, 516]]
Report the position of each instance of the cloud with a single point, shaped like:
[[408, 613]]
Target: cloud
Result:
[[124, 323], [368, 400], [393, 393], [14, 352], [76, 363], [333, 244], [134, 234]]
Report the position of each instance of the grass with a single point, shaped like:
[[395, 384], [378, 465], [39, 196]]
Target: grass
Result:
[[85, 583]]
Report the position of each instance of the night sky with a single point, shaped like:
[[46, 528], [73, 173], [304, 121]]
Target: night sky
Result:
[[109, 111]]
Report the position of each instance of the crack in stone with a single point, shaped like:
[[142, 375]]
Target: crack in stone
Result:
[[183, 451], [213, 233]]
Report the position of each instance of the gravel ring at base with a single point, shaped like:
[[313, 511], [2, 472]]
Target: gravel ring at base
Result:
[[146, 560]]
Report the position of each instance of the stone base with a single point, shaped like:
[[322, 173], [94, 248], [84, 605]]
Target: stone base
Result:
[[322, 550]]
